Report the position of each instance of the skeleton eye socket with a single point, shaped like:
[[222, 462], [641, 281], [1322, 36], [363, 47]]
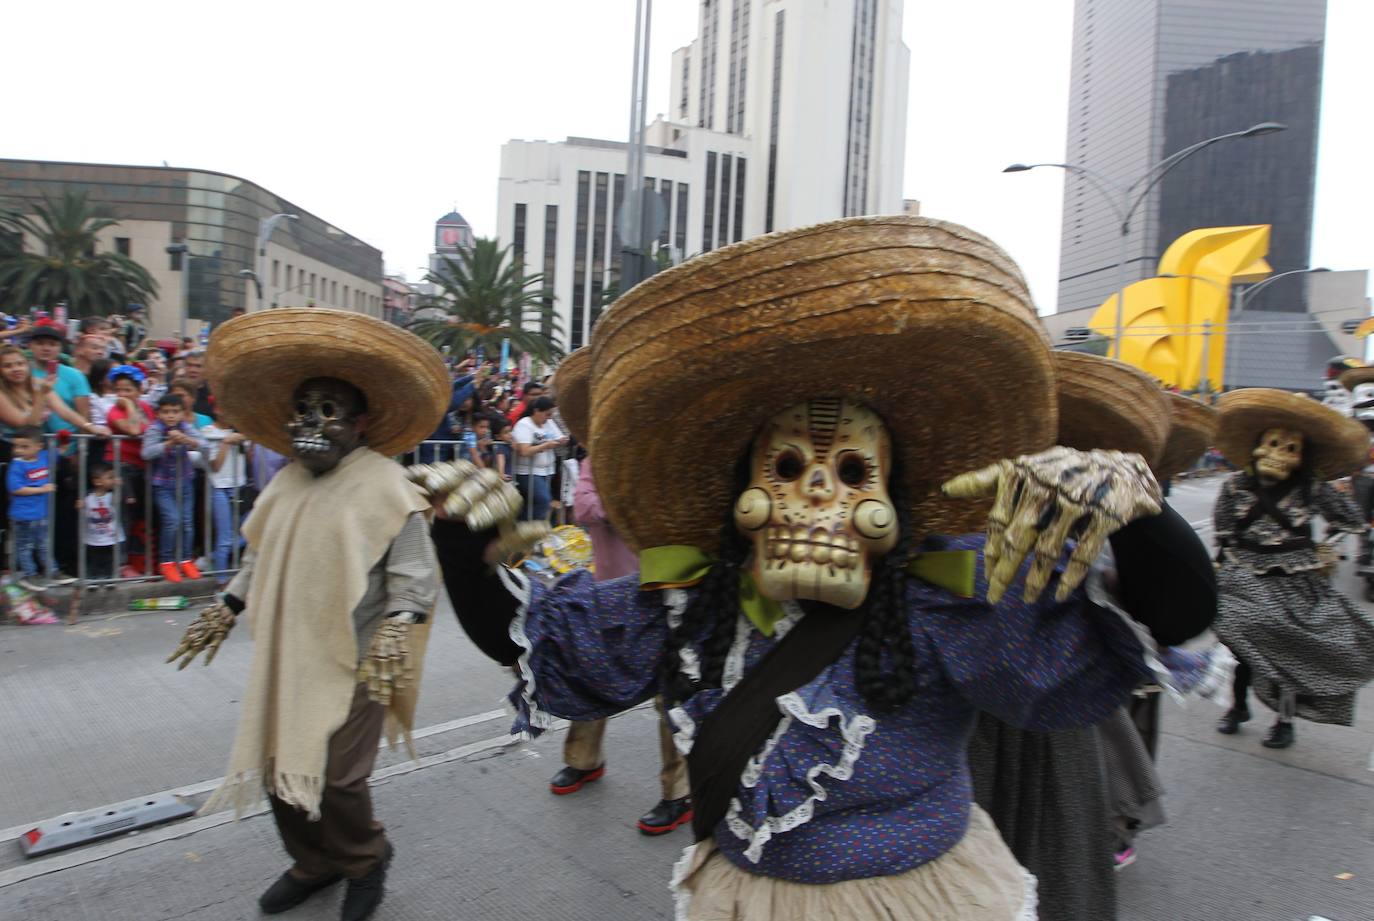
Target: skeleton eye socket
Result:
[[302, 409], [787, 466], [1291, 448], [329, 410], [1273, 442], [852, 469]]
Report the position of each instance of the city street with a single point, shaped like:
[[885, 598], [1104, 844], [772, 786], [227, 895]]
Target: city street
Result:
[[91, 716]]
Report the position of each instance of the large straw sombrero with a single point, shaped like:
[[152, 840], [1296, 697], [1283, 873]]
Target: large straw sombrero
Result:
[[1108, 404], [255, 362], [572, 387], [1355, 377], [1192, 430], [925, 321], [1335, 445]]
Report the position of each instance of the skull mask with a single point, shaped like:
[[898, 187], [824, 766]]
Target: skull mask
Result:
[[1278, 454], [817, 507], [327, 422]]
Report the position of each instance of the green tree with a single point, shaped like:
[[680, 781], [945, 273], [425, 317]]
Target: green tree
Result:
[[68, 268], [488, 298]]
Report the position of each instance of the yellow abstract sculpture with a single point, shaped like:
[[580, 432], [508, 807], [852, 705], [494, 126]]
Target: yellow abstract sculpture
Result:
[[1170, 321]]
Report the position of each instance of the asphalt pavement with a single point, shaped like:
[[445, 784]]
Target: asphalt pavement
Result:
[[91, 716]]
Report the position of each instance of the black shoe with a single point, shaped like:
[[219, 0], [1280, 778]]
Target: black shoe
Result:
[[667, 815], [571, 779], [288, 892], [365, 893], [1229, 724], [1280, 735]]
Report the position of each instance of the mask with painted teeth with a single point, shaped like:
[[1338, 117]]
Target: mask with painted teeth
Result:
[[327, 423], [817, 507]]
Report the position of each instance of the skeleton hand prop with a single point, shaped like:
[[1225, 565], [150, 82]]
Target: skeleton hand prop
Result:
[[386, 667], [481, 500], [1043, 500], [206, 632]]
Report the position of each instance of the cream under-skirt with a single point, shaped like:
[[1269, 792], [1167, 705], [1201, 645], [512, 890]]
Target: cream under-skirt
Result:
[[976, 880]]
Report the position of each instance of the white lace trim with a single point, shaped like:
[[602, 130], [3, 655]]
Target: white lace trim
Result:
[[675, 599], [753, 768], [682, 896], [733, 670], [686, 731], [854, 733], [1030, 899], [518, 584]]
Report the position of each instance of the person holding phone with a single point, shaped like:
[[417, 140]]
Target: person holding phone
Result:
[[537, 437]]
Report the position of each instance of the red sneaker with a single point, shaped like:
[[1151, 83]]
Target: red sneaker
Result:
[[189, 570], [170, 572]]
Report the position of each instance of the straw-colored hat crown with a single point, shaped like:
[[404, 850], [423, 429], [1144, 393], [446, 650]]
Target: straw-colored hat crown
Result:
[[1336, 445], [256, 362], [1192, 430], [572, 389], [1356, 376], [926, 322], [1108, 404]]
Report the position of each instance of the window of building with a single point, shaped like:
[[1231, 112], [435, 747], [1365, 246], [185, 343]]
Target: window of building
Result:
[[686, 85], [174, 262], [739, 200], [288, 277], [519, 238], [344, 303], [710, 32], [550, 266], [727, 175], [122, 246], [600, 205], [665, 194], [680, 219], [772, 181], [276, 273], [333, 292], [708, 220], [579, 294], [311, 289]]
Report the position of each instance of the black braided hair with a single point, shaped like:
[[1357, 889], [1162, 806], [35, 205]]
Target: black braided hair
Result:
[[885, 637]]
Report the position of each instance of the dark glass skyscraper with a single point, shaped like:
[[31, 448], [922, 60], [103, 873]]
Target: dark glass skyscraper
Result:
[[1151, 77]]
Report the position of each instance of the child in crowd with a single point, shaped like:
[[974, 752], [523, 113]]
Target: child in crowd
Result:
[[227, 476], [502, 435], [185, 389], [104, 530], [172, 446], [481, 442], [29, 481]]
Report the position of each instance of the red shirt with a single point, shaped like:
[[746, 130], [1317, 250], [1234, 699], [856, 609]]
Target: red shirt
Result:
[[131, 452]]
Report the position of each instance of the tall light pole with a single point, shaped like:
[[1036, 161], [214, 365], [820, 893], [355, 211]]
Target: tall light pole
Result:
[[265, 228], [1125, 199], [185, 252], [634, 259], [1243, 292]]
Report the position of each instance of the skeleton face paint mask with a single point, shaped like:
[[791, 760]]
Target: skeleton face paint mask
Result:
[[326, 423], [817, 507], [1278, 454]]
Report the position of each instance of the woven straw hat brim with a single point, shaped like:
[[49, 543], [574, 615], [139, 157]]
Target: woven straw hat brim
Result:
[[1110, 405], [1335, 445], [1356, 376], [573, 391], [924, 321], [1191, 432], [255, 363]]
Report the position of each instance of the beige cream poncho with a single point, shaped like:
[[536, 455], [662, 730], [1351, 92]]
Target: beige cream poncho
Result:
[[314, 540]]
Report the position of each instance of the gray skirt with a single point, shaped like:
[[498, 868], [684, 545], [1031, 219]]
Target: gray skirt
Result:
[[1297, 633]]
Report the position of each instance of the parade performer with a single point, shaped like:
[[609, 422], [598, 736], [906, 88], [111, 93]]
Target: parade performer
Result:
[[1047, 792], [584, 759], [338, 580], [1304, 647], [772, 424]]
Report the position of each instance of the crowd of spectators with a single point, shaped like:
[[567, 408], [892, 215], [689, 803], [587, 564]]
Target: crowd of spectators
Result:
[[166, 482]]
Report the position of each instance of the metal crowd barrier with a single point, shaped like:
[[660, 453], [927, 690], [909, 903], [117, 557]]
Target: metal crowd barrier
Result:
[[70, 456]]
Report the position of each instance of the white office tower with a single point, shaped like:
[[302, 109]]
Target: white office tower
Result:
[[783, 113]]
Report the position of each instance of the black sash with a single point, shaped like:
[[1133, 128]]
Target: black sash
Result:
[[749, 713]]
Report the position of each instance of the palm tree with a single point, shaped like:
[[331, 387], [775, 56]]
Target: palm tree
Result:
[[69, 268], [488, 298]]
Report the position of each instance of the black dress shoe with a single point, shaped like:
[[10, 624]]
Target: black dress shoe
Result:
[[667, 815], [570, 779], [1229, 724], [288, 892], [1280, 735], [365, 893]]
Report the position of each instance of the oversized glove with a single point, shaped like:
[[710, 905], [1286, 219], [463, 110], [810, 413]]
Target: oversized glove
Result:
[[386, 667], [206, 633], [1043, 500], [481, 500]]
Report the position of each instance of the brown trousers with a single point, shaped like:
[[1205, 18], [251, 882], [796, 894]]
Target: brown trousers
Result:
[[582, 750], [346, 840]]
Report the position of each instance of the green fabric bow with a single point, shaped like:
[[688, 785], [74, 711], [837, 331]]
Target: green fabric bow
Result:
[[678, 566]]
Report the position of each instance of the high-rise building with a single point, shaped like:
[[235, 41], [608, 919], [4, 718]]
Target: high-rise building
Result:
[[1150, 77], [783, 113]]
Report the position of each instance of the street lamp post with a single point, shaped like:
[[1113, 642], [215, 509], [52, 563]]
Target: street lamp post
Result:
[[265, 228], [1125, 199]]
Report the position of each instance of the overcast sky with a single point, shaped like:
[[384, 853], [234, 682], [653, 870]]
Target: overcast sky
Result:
[[380, 117]]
